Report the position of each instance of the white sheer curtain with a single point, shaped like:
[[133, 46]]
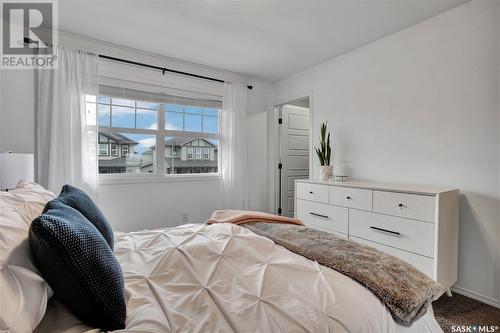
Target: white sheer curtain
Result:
[[66, 147], [234, 146]]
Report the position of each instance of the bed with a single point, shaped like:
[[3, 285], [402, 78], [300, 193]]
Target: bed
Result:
[[225, 278]]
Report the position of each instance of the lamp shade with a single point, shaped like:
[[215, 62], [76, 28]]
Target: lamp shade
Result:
[[15, 167]]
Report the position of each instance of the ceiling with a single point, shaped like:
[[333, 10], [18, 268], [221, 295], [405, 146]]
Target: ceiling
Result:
[[265, 40]]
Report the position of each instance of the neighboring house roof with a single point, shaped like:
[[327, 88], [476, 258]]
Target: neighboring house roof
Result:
[[119, 138], [179, 142], [183, 141]]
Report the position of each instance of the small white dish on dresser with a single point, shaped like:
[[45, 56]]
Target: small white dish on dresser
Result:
[[414, 223]]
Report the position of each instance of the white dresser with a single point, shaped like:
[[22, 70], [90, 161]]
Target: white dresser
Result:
[[416, 224]]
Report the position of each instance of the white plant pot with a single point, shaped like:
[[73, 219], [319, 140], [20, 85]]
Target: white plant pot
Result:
[[325, 172]]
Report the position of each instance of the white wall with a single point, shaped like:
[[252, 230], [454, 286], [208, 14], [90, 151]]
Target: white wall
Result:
[[16, 111], [259, 109], [420, 106], [147, 205]]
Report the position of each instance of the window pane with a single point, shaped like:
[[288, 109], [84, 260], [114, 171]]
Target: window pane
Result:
[[174, 108], [174, 121], [185, 155], [211, 112], [192, 123], [114, 150], [103, 149], [147, 119], [210, 124], [147, 105], [123, 102], [194, 110], [104, 99], [103, 115], [122, 117], [132, 153]]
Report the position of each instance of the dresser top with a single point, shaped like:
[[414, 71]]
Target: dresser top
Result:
[[415, 189]]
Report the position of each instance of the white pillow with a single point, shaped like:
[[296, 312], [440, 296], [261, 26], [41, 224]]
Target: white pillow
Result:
[[24, 292]]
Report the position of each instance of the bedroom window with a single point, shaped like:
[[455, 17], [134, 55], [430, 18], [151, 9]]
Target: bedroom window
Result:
[[132, 123]]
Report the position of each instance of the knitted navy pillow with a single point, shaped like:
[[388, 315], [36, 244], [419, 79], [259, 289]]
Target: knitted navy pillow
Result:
[[79, 266], [80, 201]]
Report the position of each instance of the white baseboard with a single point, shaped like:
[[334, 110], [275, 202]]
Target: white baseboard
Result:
[[477, 296]]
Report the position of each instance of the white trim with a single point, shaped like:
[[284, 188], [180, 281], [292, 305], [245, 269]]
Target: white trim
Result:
[[277, 106], [112, 179], [477, 296], [167, 133]]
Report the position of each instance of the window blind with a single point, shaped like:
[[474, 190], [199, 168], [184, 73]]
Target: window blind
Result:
[[139, 95]]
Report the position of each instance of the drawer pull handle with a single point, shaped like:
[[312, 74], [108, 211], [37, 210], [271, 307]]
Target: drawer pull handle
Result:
[[401, 205], [319, 215], [385, 230], [311, 192], [348, 198]]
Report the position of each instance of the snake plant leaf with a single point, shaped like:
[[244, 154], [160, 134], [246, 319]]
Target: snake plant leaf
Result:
[[324, 151], [328, 150]]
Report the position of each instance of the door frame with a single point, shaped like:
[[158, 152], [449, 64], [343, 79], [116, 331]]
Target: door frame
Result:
[[277, 105]]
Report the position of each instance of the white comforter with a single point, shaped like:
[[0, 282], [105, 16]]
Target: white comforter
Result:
[[224, 278]]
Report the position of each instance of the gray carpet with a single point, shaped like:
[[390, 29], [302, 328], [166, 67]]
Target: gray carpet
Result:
[[460, 310]]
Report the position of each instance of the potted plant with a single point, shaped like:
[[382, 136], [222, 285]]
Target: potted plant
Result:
[[324, 153]]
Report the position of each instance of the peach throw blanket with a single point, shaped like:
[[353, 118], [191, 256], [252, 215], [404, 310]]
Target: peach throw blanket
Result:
[[245, 216]]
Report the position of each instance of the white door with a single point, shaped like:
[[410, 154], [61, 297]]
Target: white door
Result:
[[294, 153]]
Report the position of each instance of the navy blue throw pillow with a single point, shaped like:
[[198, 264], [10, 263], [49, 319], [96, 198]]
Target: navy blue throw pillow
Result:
[[79, 266], [80, 201]]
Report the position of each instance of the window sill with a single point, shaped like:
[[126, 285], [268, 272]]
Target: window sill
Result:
[[148, 179]]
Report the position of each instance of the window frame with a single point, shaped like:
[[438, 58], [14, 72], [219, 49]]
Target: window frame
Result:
[[122, 150], [160, 134], [107, 149], [115, 146], [188, 149]]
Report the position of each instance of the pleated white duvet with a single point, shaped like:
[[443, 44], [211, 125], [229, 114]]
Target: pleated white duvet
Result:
[[224, 278]]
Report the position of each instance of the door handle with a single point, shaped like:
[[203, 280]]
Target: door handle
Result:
[[319, 215], [385, 230]]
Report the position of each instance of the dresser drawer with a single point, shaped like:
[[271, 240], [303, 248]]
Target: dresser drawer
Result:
[[351, 197], [313, 192], [413, 206], [423, 264], [330, 231], [323, 216], [404, 234]]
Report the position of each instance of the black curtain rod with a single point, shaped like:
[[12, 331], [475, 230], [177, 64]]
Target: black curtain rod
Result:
[[136, 63]]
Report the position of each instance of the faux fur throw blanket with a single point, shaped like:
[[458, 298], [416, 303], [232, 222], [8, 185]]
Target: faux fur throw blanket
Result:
[[247, 216], [406, 291]]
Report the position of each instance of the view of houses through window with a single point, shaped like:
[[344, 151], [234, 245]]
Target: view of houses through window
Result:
[[130, 128]]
